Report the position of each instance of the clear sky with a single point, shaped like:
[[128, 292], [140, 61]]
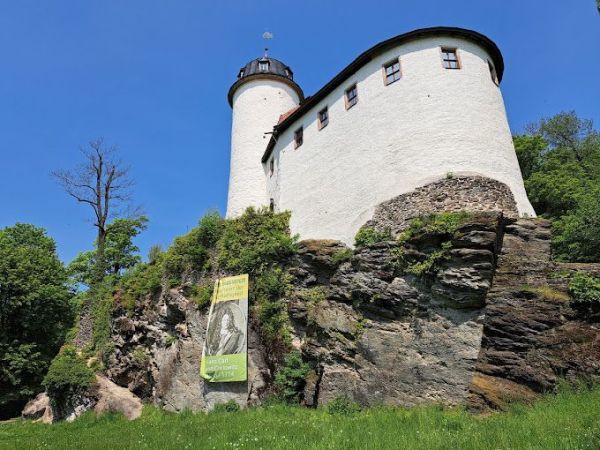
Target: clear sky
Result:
[[151, 76]]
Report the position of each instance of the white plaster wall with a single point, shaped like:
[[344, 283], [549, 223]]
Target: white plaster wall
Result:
[[398, 137], [257, 105]]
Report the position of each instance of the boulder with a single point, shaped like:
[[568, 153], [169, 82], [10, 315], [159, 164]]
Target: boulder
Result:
[[38, 409]]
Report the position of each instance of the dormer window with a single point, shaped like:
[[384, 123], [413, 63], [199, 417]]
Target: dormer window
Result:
[[263, 66], [450, 58], [241, 74], [289, 73]]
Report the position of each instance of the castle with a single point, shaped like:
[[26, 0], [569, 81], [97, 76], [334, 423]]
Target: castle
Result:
[[413, 109]]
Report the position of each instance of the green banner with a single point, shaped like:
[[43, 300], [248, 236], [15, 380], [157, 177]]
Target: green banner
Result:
[[224, 354]]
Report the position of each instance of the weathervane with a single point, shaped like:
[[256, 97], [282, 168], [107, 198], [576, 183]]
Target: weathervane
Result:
[[267, 36]]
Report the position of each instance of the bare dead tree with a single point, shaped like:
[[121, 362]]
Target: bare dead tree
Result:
[[102, 181]]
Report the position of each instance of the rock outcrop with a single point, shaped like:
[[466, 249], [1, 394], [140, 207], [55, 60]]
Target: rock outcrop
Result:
[[532, 336], [386, 338], [157, 352], [492, 324], [103, 396]]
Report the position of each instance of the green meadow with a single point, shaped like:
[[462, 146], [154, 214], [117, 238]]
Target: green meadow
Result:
[[567, 420]]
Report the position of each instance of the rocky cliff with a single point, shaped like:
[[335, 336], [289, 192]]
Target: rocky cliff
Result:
[[485, 323]]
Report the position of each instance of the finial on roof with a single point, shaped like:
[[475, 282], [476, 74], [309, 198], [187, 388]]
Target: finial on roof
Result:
[[267, 35]]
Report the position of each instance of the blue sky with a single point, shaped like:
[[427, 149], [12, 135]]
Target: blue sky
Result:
[[151, 76]]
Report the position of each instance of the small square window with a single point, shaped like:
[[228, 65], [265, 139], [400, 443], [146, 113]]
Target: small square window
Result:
[[271, 167], [323, 117], [241, 74], [298, 137], [351, 96], [391, 72], [450, 58], [263, 66], [493, 73]]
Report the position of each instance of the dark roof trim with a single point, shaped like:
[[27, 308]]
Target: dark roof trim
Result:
[[264, 76], [374, 51]]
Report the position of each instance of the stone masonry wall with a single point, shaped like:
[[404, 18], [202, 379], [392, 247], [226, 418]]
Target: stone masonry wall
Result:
[[469, 193]]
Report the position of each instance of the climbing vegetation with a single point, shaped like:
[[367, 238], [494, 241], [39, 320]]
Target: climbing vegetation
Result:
[[68, 375], [441, 229]]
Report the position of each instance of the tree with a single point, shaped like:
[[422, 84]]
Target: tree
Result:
[[577, 235], [103, 183], [560, 162], [120, 253], [35, 312]]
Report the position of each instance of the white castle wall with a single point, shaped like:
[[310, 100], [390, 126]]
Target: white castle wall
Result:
[[431, 122], [257, 105]]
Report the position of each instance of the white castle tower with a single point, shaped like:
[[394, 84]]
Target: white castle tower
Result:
[[416, 109], [264, 90]]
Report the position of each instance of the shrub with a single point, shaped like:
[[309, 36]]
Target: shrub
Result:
[[257, 240], [585, 289], [138, 282], [267, 293], [445, 225], [227, 407], [140, 357], [341, 256], [68, 374], [369, 236], [440, 223], [170, 340], [202, 294], [190, 252], [432, 263], [154, 254], [342, 406], [291, 378], [315, 294]]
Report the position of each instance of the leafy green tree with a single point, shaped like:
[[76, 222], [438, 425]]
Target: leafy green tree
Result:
[[560, 162], [120, 253], [529, 152], [35, 312], [577, 234]]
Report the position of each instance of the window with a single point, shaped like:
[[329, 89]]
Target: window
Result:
[[493, 72], [391, 72], [241, 74], [263, 66], [323, 117], [289, 73], [450, 58], [298, 137], [271, 167], [271, 205], [351, 96]]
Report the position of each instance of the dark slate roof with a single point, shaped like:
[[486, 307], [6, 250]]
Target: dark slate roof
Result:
[[275, 69], [371, 53]]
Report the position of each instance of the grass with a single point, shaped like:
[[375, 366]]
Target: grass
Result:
[[548, 293], [568, 420]]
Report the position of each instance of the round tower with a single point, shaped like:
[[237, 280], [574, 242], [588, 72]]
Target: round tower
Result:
[[265, 89]]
